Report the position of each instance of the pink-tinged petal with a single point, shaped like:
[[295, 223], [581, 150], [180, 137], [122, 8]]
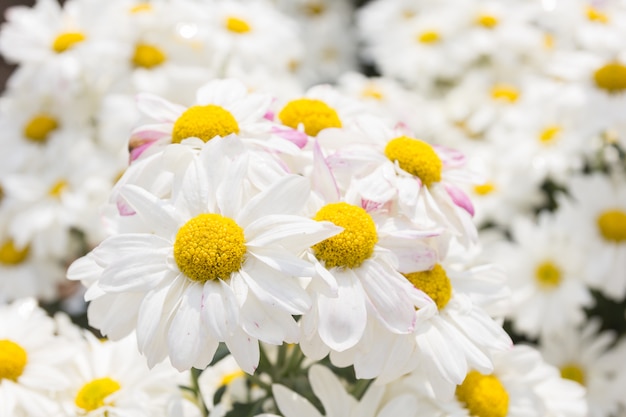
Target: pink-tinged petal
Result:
[[415, 258], [322, 178], [342, 319], [137, 148], [460, 198], [451, 158], [123, 208], [294, 136], [269, 115], [245, 350], [220, 312], [267, 324], [186, 335], [158, 108], [150, 132]]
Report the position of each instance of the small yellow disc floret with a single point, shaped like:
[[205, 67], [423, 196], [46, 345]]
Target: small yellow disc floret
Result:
[[93, 394], [435, 283], [612, 225], [487, 21], [483, 395], [148, 56], [67, 40], [355, 244], [10, 255], [611, 77], [548, 275], [237, 25], [505, 92], [13, 359], [204, 122], [415, 157], [430, 36], [39, 127], [315, 115], [573, 372], [209, 246]]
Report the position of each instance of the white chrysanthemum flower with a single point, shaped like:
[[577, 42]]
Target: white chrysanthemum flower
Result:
[[110, 378], [31, 361], [223, 108], [597, 210], [338, 402], [546, 272], [215, 264], [391, 167], [521, 384], [589, 357]]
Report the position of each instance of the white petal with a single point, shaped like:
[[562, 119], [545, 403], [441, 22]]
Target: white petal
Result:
[[332, 395], [136, 272], [155, 211], [220, 312], [115, 315], [294, 233], [292, 404], [245, 350], [158, 108], [283, 261], [267, 324]]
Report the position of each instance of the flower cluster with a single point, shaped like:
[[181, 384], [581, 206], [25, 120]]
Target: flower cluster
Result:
[[438, 240]]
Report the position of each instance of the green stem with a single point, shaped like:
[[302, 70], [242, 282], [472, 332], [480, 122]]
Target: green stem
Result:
[[195, 374]]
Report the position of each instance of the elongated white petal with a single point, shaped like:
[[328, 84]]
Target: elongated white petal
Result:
[[330, 392], [158, 108], [245, 350], [268, 324], [294, 233], [292, 404], [155, 211], [220, 312]]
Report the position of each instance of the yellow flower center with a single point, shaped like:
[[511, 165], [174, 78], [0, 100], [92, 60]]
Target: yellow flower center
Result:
[[314, 8], [209, 246], [548, 275], [596, 15], [550, 134], [429, 36], [505, 92], [67, 40], [483, 395], [435, 283], [573, 372], [548, 41], [487, 21], [612, 225], [141, 7], [10, 255], [39, 127], [485, 189], [13, 359], [204, 122], [148, 56], [373, 92], [237, 25], [354, 244], [315, 115], [57, 189], [93, 394], [415, 157], [228, 378], [611, 77]]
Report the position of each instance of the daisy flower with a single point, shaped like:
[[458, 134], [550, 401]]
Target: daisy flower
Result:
[[597, 209], [239, 285], [546, 274], [109, 378], [32, 361], [223, 108], [589, 357]]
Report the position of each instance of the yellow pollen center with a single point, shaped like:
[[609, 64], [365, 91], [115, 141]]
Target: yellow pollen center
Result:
[[487, 21], [209, 246], [315, 115], [483, 395], [204, 122], [93, 394], [415, 157], [67, 40], [485, 189], [237, 25], [228, 378], [314, 8], [505, 92], [596, 15], [550, 134], [39, 127], [10, 255], [435, 283], [141, 7], [354, 244], [612, 225], [148, 56], [430, 36], [611, 77], [573, 372], [548, 275], [13, 359], [548, 41], [373, 92], [57, 189]]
